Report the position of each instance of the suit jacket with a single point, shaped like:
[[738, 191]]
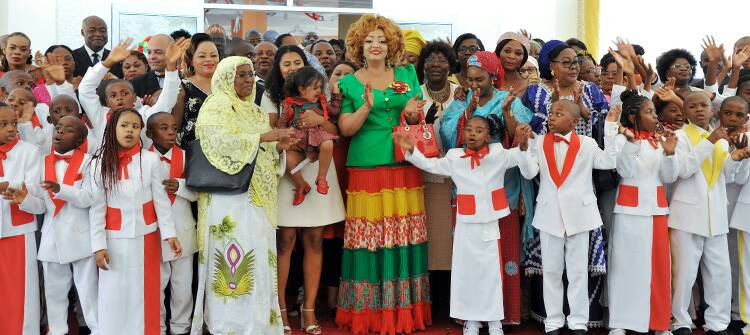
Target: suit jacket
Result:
[[570, 208], [145, 84], [83, 62]]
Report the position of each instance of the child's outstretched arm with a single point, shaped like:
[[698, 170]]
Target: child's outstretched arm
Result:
[[669, 169], [93, 78], [441, 166], [528, 162]]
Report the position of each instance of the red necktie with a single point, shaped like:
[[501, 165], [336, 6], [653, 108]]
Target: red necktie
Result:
[[125, 157], [4, 154], [476, 156]]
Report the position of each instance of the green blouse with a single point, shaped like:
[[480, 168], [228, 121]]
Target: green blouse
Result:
[[372, 145]]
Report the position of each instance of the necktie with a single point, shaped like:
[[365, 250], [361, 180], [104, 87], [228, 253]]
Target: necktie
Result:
[[476, 156], [94, 58]]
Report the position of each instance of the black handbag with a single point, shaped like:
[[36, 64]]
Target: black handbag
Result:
[[201, 176]]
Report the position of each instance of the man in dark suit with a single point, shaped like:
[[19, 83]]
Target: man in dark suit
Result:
[[157, 62], [95, 37]]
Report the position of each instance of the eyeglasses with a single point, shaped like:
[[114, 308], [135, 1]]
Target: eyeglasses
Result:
[[526, 72], [567, 63], [472, 49], [686, 66], [435, 60]]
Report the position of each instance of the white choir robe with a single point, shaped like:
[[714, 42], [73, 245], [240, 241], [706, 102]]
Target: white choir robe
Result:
[[98, 114], [565, 215], [699, 225], [125, 224], [476, 276], [740, 231], [42, 138], [65, 248], [178, 272], [19, 278], [639, 241]]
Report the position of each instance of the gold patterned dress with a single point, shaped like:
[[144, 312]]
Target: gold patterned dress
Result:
[[237, 290]]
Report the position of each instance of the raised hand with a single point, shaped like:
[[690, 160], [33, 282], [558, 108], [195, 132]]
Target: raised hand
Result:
[[414, 106], [175, 51], [555, 90], [717, 134], [669, 143], [404, 141], [474, 102], [625, 63], [740, 57], [713, 52], [51, 186], [740, 154], [525, 34], [148, 100], [27, 113], [459, 94], [369, 97], [625, 48], [666, 94], [523, 134], [15, 195], [102, 259], [508, 102], [119, 53], [614, 113]]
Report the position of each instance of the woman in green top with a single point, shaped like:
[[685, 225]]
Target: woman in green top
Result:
[[384, 279]]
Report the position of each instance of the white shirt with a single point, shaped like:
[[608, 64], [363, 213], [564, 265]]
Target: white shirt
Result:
[[561, 150], [91, 53]]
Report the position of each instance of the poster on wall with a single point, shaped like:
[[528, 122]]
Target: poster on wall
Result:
[[431, 31]]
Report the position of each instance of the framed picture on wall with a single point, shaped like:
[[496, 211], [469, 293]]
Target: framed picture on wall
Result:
[[139, 22], [431, 31]]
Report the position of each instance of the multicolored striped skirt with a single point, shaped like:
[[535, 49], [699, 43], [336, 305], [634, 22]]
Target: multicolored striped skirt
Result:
[[384, 279]]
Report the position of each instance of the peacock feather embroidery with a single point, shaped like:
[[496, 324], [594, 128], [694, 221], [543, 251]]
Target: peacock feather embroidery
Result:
[[233, 271]]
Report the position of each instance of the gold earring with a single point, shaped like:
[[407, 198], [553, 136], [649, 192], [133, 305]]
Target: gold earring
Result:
[[553, 72]]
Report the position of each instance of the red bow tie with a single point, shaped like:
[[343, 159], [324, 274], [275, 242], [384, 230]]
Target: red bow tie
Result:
[[476, 156], [559, 138], [165, 159], [59, 157]]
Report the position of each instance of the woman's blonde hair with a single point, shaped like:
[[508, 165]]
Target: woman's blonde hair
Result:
[[355, 38]]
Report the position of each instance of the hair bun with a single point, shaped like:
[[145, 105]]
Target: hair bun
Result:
[[495, 125], [628, 95]]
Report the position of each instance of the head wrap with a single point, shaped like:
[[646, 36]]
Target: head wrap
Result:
[[229, 129], [413, 41], [513, 36], [545, 59], [270, 36], [489, 62], [532, 61]]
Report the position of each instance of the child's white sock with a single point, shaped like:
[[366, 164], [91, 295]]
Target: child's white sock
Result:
[[496, 327], [471, 327]]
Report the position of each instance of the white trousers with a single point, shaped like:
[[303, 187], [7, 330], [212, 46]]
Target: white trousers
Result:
[[569, 254], [179, 275], [711, 254], [58, 279], [734, 263]]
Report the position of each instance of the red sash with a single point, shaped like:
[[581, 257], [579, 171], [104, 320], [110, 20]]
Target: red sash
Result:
[[4, 154], [71, 173], [35, 121], [176, 166], [570, 156]]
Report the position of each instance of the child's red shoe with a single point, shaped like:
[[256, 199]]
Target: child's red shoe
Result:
[[322, 186], [299, 195]]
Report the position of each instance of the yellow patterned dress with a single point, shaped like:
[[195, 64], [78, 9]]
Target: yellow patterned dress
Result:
[[237, 290]]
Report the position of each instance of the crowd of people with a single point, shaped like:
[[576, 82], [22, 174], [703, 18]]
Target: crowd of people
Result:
[[192, 184]]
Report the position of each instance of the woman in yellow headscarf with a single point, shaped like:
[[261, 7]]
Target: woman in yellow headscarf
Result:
[[413, 44], [237, 291]]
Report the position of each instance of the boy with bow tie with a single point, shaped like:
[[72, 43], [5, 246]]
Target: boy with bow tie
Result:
[[479, 174], [177, 271], [65, 248], [566, 207]]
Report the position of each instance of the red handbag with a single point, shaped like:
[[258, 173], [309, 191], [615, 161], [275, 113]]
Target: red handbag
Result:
[[423, 135]]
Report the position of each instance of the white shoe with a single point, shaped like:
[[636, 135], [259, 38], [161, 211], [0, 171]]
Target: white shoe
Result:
[[617, 332], [471, 327], [496, 328]]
